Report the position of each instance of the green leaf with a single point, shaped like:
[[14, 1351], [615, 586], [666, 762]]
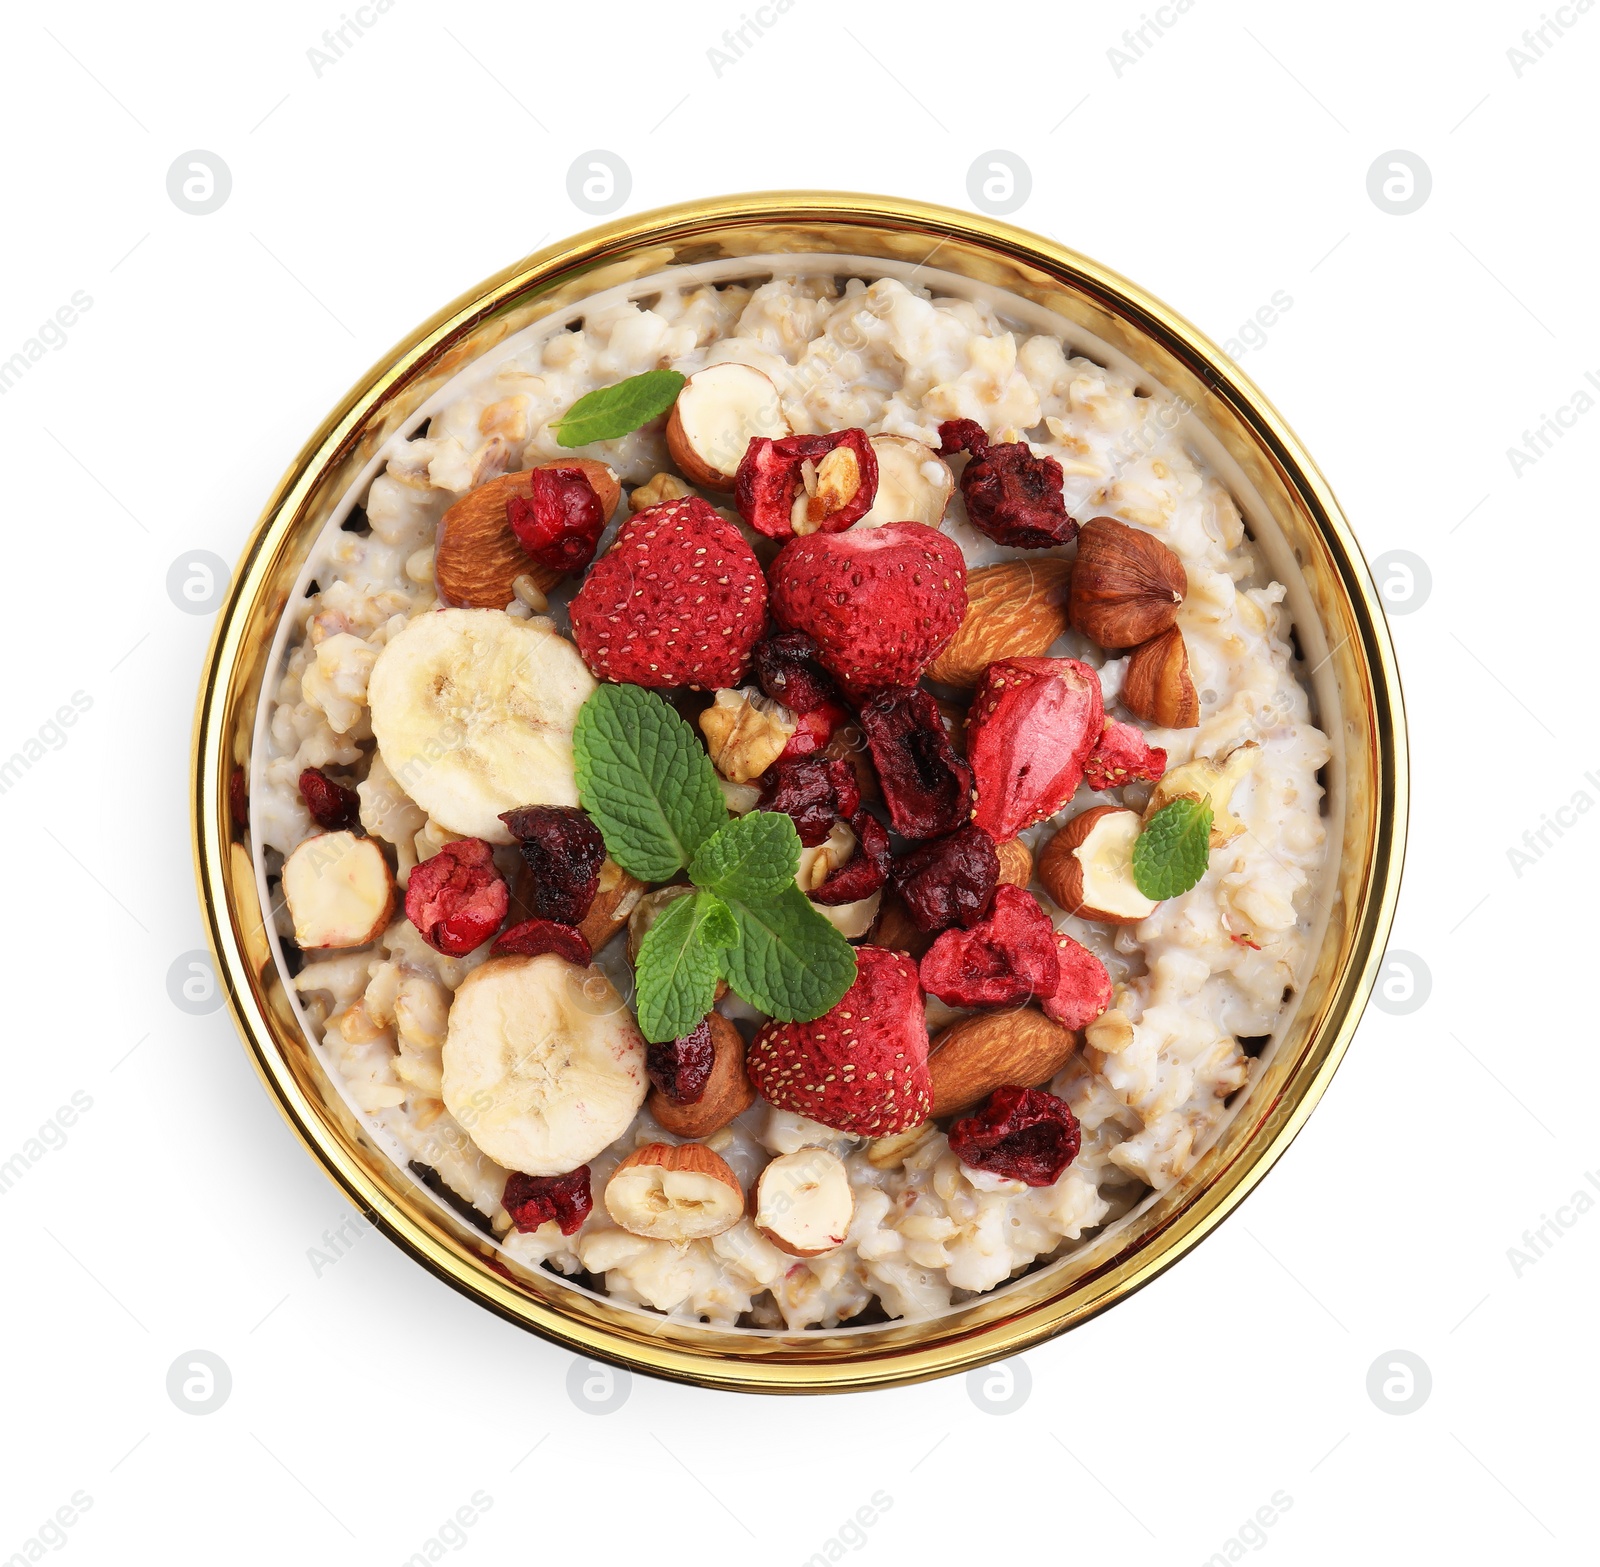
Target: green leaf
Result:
[[680, 960], [790, 962], [612, 411], [1172, 852], [646, 780], [754, 856]]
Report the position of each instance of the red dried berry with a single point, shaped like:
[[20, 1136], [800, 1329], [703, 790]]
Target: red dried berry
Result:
[[333, 807], [1023, 1134], [532, 1200], [813, 731], [813, 794], [533, 938], [239, 797], [950, 881], [788, 670], [1001, 960], [1083, 991], [1011, 495], [563, 851], [1121, 756], [926, 785], [457, 899], [560, 520], [681, 1067], [865, 872], [770, 480]]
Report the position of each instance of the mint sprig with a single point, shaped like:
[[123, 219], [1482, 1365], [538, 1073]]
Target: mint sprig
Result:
[[1172, 853], [649, 786], [612, 411]]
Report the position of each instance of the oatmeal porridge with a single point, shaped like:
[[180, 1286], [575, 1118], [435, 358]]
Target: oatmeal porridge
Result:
[[791, 800]]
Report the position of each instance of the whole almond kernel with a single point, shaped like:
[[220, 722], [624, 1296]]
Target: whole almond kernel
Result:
[[1016, 862], [972, 1058], [727, 1093], [1157, 686], [1014, 610], [1126, 585]]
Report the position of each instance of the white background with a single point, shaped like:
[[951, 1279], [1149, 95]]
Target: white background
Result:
[[1226, 164]]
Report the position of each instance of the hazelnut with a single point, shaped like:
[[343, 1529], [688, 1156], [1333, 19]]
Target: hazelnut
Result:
[[719, 411], [1088, 867], [1126, 585], [1157, 687]]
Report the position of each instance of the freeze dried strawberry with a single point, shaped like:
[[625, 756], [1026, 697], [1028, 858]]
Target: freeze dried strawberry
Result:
[[812, 794], [1023, 1134], [926, 785], [880, 603], [560, 520], [1083, 991], [457, 899], [865, 871], [950, 881], [863, 1066], [1001, 960], [813, 731], [839, 490], [1121, 756], [333, 807], [532, 1200], [1011, 495], [1032, 726], [681, 1067], [678, 600], [533, 938], [787, 669], [563, 851]]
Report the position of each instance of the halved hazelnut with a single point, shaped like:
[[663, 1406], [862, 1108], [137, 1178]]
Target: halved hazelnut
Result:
[[914, 483], [804, 1203], [681, 1192], [720, 410], [1088, 867], [1157, 686], [339, 890], [1126, 585], [1208, 778]]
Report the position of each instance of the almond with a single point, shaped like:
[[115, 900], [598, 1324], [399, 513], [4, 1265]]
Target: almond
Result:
[[1126, 585], [972, 1058], [1157, 686], [896, 929], [1016, 862], [670, 1192], [477, 558], [1014, 610], [1088, 867], [727, 1092]]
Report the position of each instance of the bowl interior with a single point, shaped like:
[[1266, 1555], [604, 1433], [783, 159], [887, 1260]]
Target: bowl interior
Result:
[[1288, 511]]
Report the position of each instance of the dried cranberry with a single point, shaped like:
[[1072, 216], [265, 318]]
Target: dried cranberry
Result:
[[949, 881], [1011, 495], [457, 899], [681, 1067], [532, 1200], [926, 785], [814, 794], [1023, 1134], [814, 732], [560, 520], [333, 807], [239, 797], [1121, 756], [563, 851], [532, 938], [770, 479], [787, 668], [865, 871], [1001, 960]]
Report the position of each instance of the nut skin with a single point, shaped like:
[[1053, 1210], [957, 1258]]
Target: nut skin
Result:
[[1061, 872], [972, 1058], [896, 930], [615, 899], [1014, 610], [727, 1093], [1016, 862], [1157, 686], [1126, 586]]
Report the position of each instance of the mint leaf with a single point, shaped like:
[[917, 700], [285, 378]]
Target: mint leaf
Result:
[[1172, 852], [790, 962], [754, 856], [679, 963], [612, 411], [646, 780]]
